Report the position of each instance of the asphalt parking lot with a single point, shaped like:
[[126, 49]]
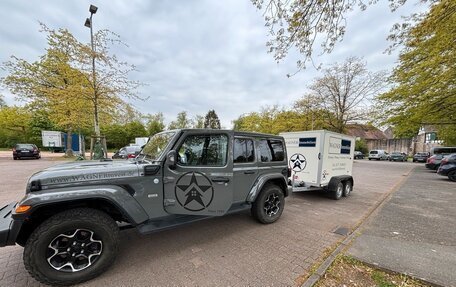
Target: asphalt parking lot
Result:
[[234, 250]]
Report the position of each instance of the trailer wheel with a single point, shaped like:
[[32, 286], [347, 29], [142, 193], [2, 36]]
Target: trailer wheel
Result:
[[338, 190], [348, 187]]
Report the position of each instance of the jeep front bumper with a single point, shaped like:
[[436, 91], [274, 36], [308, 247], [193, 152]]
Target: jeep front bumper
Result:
[[9, 227]]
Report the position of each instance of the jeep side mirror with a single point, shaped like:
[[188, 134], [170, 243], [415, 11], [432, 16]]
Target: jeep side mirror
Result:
[[171, 159]]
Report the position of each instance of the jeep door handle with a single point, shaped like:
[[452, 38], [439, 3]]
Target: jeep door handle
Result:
[[249, 172], [220, 179]]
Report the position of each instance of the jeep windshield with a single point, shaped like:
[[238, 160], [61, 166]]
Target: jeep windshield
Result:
[[156, 145]]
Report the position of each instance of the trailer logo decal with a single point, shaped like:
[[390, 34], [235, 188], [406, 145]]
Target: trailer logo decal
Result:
[[339, 146], [298, 162], [345, 147], [194, 194], [324, 174], [307, 142]]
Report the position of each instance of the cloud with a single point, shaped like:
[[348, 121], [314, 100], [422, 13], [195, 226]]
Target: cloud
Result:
[[195, 55]]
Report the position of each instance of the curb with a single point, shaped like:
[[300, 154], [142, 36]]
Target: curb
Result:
[[315, 277]]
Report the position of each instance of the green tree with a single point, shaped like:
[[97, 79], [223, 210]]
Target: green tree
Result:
[[424, 81], [198, 122], [273, 120], [313, 116], [361, 145], [2, 101], [116, 135], [155, 123], [135, 129], [211, 120], [182, 122], [61, 81], [40, 120], [15, 125]]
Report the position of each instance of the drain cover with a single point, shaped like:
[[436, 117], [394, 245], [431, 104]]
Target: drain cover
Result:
[[342, 231]]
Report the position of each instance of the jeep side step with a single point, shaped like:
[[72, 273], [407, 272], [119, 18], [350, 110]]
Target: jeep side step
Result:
[[176, 220]]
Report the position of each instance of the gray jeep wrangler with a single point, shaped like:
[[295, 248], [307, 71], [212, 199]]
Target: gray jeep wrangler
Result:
[[71, 215]]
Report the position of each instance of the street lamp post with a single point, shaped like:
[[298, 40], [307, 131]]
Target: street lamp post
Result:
[[88, 23], [97, 148]]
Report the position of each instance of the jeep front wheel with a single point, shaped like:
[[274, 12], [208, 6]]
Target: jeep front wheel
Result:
[[71, 247], [269, 204]]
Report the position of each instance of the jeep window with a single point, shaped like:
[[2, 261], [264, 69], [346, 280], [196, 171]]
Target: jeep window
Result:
[[203, 150], [271, 150], [243, 150], [156, 145]]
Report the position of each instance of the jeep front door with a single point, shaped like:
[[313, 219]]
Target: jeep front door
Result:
[[201, 183]]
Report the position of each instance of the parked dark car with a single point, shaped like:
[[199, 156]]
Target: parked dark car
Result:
[[127, 152], [397, 156], [26, 151], [434, 161], [420, 157], [359, 155], [448, 167]]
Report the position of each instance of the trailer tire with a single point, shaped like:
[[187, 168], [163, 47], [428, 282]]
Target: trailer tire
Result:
[[269, 205], [337, 191], [348, 187]]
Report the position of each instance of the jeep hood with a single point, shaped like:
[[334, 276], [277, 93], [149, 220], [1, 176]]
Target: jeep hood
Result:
[[83, 172]]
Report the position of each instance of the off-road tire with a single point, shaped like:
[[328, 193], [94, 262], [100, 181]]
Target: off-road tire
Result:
[[258, 207], [347, 184], [338, 190], [35, 248]]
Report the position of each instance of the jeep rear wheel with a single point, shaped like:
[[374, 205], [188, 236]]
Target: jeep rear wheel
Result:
[[71, 247], [269, 205]]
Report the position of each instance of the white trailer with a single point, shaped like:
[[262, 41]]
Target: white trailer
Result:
[[321, 160], [53, 139]]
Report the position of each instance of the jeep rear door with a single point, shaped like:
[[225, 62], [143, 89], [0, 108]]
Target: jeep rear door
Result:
[[202, 181], [245, 167]]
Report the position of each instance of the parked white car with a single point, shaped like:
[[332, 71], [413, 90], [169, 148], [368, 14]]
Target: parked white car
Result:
[[378, 154]]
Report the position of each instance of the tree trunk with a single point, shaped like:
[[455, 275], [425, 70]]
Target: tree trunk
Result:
[[69, 143]]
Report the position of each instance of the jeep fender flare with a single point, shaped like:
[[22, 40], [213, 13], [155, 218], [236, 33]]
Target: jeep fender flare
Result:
[[262, 180], [113, 194]]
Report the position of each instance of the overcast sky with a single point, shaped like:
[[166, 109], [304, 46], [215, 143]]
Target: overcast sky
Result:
[[196, 55]]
